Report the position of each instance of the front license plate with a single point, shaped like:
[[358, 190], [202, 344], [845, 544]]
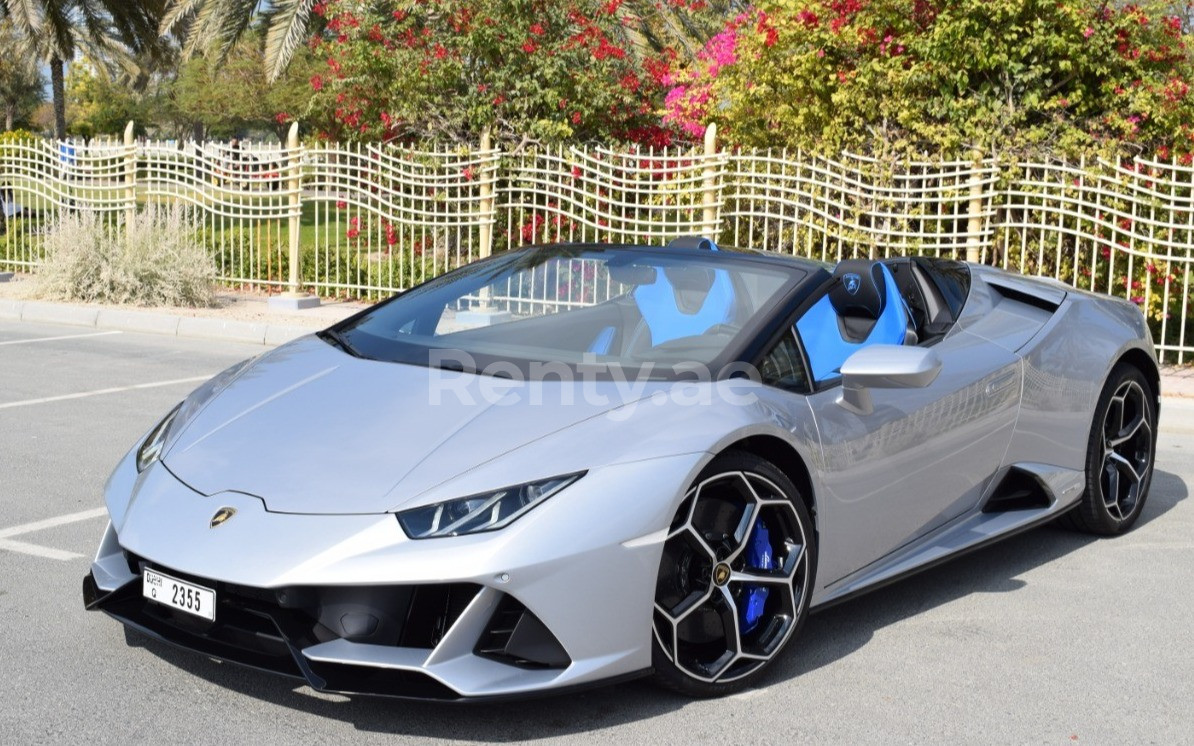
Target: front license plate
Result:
[[178, 594]]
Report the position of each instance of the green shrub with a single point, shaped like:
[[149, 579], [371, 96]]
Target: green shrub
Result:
[[256, 260], [151, 260], [18, 136]]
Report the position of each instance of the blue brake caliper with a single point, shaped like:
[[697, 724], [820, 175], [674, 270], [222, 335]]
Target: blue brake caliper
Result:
[[758, 557]]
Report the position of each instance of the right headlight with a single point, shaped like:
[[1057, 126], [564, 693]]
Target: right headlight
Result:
[[151, 449], [488, 511]]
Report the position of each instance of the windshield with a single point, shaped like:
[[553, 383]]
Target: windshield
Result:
[[628, 307]]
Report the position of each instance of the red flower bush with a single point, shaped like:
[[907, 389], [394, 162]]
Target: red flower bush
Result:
[[450, 68], [916, 75]]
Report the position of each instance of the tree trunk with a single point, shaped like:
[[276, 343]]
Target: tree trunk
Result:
[[7, 118], [58, 83]]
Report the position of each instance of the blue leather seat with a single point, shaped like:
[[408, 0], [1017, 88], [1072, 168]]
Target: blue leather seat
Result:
[[685, 302], [863, 307]]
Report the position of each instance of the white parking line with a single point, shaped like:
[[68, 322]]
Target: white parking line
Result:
[[62, 520], [24, 547], [99, 392], [53, 339]]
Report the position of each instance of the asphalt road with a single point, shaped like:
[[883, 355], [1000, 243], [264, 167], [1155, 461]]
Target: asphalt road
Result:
[[1050, 637]]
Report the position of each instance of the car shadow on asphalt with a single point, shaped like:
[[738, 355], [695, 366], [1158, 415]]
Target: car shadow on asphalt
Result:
[[839, 630], [828, 636]]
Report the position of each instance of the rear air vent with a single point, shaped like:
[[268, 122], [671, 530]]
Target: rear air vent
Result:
[[516, 636], [1045, 298]]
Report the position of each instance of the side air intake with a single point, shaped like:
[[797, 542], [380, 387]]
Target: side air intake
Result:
[[516, 636], [1018, 490]]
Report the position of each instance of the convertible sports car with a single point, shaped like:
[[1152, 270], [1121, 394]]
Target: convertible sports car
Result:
[[573, 464]]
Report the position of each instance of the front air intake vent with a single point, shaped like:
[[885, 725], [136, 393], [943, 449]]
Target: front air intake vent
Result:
[[433, 610], [516, 636]]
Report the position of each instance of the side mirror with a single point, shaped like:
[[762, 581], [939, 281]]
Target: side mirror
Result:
[[885, 367]]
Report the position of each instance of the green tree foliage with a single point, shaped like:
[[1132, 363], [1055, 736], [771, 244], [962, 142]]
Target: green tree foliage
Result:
[[538, 69], [235, 95], [945, 75], [98, 105]]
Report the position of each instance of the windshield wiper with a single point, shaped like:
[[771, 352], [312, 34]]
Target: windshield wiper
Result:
[[339, 340]]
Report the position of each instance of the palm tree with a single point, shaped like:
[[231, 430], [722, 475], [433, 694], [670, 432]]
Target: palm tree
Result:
[[120, 34], [21, 83]]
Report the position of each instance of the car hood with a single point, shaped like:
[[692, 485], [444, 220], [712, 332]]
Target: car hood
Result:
[[309, 429]]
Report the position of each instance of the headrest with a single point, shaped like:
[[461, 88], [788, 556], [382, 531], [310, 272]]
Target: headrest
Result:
[[859, 289], [691, 284], [692, 242], [632, 274]]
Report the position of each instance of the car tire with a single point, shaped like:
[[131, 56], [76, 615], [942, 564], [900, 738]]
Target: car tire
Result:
[[1119, 455], [735, 578]]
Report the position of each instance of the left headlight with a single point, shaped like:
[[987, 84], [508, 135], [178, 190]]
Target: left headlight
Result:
[[151, 449], [488, 511]]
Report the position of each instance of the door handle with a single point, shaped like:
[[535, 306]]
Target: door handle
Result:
[[1000, 382]]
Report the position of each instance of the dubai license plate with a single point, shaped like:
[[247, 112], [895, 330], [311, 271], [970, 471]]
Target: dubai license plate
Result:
[[178, 594]]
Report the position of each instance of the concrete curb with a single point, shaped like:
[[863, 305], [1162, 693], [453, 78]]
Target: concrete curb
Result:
[[55, 313], [153, 322]]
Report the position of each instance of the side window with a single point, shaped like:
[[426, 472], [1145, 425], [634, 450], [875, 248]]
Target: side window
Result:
[[783, 367]]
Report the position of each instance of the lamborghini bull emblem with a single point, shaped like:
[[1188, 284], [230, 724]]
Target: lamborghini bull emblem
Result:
[[221, 517], [721, 574], [851, 281]]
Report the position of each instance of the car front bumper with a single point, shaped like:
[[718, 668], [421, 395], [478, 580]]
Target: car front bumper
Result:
[[349, 604]]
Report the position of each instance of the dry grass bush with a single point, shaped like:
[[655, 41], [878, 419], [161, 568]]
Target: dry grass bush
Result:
[[153, 260]]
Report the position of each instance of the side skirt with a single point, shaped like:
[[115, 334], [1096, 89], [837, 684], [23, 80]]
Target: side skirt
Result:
[[976, 532]]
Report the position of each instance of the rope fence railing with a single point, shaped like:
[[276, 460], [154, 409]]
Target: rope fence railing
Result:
[[368, 220]]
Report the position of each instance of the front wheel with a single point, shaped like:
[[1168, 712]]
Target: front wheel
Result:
[[1120, 455], [735, 579]]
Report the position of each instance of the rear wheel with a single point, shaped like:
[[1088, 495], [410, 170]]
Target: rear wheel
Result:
[[1120, 454], [735, 578]]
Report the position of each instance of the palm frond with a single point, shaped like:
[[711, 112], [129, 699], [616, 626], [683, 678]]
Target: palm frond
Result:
[[177, 15], [231, 26], [25, 15], [216, 27], [137, 23], [95, 23], [287, 30], [61, 28], [111, 60], [200, 32]]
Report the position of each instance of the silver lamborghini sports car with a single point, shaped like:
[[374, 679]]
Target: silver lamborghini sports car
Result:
[[573, 464]]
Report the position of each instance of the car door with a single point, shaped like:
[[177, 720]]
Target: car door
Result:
[[922, 457]]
